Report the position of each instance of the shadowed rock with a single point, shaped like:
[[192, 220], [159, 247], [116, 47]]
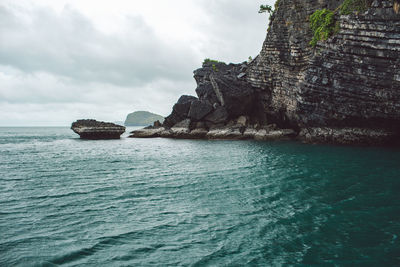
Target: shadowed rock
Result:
[[199, 109], [179, 111], [219, 115]]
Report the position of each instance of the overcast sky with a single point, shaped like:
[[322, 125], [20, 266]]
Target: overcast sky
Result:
[[62, 60]]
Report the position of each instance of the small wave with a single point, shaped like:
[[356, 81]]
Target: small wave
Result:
[[135, 253], [207, 259], [73, 256], [104, 243], [97, 190]]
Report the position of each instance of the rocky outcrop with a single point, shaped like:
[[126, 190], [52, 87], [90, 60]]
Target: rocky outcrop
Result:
[[343, 87], [223, 107], [344, 90], [92, 129], [238, 129]]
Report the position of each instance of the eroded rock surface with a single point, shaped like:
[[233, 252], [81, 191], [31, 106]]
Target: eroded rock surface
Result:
[[92, 129], [348, 84]]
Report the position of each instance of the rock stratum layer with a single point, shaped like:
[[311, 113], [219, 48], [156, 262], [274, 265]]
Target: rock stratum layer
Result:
[[92, 129], [345, 90]]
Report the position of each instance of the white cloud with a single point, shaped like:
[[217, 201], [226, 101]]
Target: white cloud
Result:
[[63, 60]]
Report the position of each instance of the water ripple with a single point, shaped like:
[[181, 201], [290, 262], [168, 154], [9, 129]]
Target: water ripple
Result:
[[160, 202]]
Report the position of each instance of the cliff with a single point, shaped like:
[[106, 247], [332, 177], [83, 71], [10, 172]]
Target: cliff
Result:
[[142, 118], [350, 81], [346, 89]]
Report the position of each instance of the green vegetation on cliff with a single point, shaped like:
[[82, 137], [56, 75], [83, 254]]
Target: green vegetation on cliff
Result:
[[323, 25], [350, 6], [266, 8], [207, 60], [142, 118]]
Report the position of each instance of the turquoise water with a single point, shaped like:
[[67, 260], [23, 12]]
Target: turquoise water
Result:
[[162, 202]]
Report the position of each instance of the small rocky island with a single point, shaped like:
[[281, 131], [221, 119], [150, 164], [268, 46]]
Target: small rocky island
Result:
[[92, 129]]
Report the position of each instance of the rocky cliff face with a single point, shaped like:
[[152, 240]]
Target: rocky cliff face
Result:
[[344, 90], [350, 81]]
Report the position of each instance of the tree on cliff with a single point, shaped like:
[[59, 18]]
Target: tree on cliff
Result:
[[266, 8]]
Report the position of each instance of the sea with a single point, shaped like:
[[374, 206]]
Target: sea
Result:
[[164, 202]]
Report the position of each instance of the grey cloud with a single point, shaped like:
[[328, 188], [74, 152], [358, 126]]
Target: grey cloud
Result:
[[69, 45], [58, 67], [235, 28]]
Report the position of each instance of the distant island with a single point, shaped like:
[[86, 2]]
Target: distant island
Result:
[[142, 118]]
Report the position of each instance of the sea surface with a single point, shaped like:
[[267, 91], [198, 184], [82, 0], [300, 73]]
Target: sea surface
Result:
[[163, 202]]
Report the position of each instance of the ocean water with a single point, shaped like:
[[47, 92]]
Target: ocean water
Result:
[[162, 202]]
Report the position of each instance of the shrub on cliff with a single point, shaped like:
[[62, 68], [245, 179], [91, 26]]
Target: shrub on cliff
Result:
[[266, 8], [323, 24], [358, 6], [213, 61]]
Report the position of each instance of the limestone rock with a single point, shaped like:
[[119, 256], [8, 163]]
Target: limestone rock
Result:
[[218, 83], [92, 129], [225, 133], [219, 115], [275, 134], [198, 133], [157, 124], [181, 129], [242, 121], [350, 81], [179, 111], [147, 132], [347, 136], [249, 133], [199, 109]]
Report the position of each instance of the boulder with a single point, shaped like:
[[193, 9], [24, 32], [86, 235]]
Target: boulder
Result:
[[179, 111], [275, 134], [225, 133], [198, 133], [157, 123], [249, 133], [179, 132], [242, 121], [205, 91], [147, 132], [222, 84], [181, 129], [92, 129], [237, 96]]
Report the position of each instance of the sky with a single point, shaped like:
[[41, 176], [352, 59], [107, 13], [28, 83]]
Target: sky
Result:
[[63, 60]]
